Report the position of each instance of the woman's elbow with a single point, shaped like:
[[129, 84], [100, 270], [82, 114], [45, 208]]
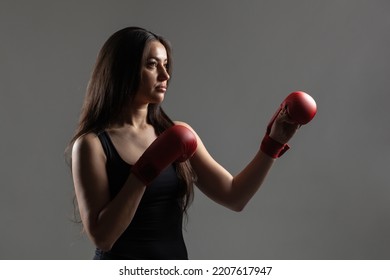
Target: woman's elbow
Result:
[[236, 206], [101, 241], [103, 245]]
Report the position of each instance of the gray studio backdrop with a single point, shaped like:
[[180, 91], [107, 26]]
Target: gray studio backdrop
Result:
[[235, 61]]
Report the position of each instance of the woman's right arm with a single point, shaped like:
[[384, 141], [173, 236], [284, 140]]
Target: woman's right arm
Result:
[[104, 220]]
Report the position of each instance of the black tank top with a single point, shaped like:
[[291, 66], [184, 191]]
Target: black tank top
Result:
[[156, 229]]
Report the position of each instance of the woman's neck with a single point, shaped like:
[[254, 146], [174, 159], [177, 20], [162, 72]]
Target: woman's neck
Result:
[[134, 116]]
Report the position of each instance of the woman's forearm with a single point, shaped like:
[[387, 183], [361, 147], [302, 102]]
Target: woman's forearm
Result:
[[246, 183]]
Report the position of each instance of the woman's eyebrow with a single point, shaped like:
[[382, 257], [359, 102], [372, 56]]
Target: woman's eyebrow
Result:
[[164, 59]]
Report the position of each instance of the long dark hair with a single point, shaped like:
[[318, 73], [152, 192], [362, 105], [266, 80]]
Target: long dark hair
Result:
[[114, 82]]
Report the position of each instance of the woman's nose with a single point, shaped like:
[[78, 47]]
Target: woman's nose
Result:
[[163, 74]]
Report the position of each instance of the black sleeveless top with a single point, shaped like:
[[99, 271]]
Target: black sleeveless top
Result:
[[156, 229]]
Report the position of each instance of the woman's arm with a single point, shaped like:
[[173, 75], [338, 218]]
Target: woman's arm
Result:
[[104, 220], [231, 191]]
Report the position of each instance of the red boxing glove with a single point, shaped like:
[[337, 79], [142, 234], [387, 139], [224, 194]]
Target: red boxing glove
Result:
[[176, 143], [301, 108]]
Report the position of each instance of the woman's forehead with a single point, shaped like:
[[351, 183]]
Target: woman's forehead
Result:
[[155, 49]]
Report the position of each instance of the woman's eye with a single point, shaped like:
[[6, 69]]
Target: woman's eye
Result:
[[152, 64]]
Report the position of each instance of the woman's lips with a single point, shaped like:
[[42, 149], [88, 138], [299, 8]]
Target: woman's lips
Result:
[[161, 88]]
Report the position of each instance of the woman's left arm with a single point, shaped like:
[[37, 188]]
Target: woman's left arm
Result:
[[234, 192]]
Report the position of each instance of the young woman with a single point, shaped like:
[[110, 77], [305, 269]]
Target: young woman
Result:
[[134, 168]]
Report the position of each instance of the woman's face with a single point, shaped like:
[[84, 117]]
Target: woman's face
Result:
[[154, 74]]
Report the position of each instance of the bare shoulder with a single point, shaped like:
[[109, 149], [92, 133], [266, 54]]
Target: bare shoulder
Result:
[[87, 144], [88, 164]]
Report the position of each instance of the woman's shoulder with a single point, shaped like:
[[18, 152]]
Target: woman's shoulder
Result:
[[87, 143], [87, 138]]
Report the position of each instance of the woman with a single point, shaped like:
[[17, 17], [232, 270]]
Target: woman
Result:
[[126, 215]]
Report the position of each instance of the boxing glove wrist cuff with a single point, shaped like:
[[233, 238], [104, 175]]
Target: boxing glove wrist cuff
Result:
[[272, 147]]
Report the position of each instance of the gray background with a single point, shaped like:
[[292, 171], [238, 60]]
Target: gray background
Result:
[[235, 61]]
